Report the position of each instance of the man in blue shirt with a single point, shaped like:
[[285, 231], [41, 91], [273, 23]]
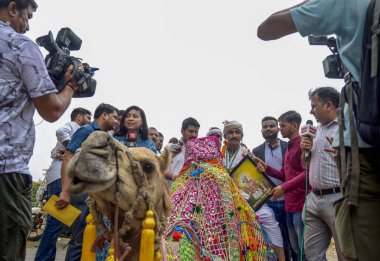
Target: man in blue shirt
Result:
[[105, 119], [357, 213]]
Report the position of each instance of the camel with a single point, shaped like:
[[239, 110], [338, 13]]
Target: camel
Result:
[[105, 168]]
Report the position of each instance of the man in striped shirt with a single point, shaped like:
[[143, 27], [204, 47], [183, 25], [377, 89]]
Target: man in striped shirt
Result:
[[323, 176]]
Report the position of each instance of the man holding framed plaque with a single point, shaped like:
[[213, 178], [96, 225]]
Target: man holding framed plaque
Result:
[[254, 186], [293, 175]]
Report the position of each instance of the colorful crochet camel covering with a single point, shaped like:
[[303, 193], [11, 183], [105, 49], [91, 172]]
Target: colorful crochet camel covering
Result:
[[210, 220]]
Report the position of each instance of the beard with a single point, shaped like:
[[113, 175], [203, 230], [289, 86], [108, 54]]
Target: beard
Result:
[[268, 136]]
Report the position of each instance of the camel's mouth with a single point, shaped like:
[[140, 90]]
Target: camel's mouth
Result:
[[91, 171], [80, 185]]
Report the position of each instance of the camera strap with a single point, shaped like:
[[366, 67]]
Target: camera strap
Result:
[[349, 96]]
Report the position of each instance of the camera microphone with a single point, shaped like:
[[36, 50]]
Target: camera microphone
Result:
[[310, 131], [131, 139]]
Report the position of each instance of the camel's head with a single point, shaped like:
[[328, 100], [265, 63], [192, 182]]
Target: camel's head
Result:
[[102, 162]]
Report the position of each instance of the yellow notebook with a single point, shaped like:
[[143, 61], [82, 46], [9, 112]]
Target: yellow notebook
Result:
[[67, 215]]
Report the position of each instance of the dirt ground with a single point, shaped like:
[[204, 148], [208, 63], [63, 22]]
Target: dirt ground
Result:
[[331, 253]]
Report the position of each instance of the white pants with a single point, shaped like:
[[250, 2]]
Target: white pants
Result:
[[268, 221]]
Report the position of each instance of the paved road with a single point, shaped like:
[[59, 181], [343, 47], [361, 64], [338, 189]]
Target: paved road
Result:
[[61, 251], [32, 249]]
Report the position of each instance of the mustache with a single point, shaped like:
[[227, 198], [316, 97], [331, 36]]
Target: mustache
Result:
[[234, 139]]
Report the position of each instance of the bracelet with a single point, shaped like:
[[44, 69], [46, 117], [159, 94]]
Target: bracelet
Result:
[[72, 87]]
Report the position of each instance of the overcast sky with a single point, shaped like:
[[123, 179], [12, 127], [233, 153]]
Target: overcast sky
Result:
[[176, 59]]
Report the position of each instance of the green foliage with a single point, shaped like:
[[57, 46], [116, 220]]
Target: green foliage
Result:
[[36, 185]]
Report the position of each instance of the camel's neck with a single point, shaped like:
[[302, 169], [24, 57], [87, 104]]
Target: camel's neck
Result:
[[133, 238]]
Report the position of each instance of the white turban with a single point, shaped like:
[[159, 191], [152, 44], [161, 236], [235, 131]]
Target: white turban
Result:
[[214, 131], [230, 125]]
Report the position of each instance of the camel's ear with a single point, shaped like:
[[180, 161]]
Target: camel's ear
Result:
[[165, 159]]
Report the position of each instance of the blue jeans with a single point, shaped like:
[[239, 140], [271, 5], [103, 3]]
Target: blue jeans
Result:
[[295, 230], [74, 250], [47, 248], [278, 207]]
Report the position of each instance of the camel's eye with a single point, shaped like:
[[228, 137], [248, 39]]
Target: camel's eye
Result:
[[148, 168]]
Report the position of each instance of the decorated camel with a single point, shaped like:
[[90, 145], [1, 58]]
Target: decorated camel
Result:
[[123, 184], [210, 220]]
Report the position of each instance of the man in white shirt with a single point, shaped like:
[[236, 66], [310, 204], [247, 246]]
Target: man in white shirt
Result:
[[323, 176], [189, 130], [47, 247]]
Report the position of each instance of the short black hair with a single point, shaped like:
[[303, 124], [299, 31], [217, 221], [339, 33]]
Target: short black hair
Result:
[[79, 111], [269, 118], [120, 112], [173, 140], [291, 116], [20, 4], [103, 107], [326, 94], [143, 131], [190, 122], [161, 135]]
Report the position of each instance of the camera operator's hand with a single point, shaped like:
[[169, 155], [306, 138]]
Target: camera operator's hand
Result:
[[68, 78]]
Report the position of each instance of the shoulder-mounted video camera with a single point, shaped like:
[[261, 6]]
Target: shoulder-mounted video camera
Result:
[[59, 59], [332, 64]]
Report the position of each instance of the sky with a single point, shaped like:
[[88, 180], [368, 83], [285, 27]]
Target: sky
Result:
[[177, 59]]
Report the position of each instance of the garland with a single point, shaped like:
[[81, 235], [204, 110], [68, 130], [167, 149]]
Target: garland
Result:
[[224, 147]]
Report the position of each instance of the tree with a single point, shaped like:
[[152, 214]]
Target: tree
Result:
[[36, 185]]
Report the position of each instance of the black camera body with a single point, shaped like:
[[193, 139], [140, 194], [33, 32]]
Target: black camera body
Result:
[[59, 59], [332, 64]]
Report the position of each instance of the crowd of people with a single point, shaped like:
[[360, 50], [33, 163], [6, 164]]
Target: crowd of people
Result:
[[319, 191], [284, 162]]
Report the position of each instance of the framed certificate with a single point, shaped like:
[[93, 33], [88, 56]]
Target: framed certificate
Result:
[[254, 185]]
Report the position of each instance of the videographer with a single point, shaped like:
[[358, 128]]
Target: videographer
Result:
[[24, 86], [357, 213]]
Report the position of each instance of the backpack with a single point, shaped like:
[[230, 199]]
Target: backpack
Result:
[[367, 109]]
